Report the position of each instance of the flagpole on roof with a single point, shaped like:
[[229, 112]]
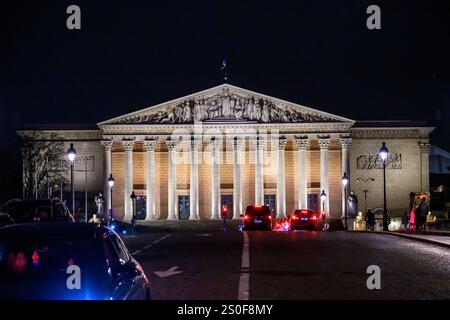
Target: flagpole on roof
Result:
[[224, 68]]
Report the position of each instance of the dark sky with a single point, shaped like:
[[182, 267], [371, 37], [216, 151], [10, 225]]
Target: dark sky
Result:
[[132, 54]]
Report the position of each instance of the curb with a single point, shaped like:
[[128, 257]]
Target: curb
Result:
[[410, 237]]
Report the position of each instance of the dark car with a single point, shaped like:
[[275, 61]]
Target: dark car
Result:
[[67, 261], [5, 220], [24, 211], [305, 219], [257, 217]]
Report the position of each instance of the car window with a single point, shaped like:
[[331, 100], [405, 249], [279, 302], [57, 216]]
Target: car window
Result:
[[257, 210], [61, 213], [5, 220], [112, 258], [30, 213], [122, 251]]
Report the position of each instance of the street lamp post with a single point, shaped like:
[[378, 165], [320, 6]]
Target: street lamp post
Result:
[[344, 184], [71, 154], [111, 185], [133, 211], [323, 196], [365, 181], [384, 152]]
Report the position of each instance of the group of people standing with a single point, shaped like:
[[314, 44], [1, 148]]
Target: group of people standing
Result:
[[415, 220]]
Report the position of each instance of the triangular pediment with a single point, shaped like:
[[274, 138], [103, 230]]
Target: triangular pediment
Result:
[[226, 103]]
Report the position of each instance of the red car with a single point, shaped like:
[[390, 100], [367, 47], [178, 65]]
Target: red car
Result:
[[257, 217], [305, 219]]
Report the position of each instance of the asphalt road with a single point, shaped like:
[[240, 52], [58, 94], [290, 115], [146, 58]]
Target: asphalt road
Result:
[[290, 265]]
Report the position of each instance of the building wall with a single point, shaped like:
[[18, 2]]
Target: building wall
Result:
[[399, 182]]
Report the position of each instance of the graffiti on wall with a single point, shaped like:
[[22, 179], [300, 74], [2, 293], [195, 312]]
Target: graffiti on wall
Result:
[[373, 161]]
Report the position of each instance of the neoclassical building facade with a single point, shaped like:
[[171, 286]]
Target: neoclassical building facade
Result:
[[227, 147]]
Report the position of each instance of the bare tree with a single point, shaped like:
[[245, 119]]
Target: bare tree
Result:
[[43, 163]]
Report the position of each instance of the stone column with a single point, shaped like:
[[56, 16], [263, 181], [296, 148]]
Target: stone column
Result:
[[172, 185], [128, 179], [193, 182], [345, 160], [259, 172], [281, 187], [238, 145], [150, 190], [324, 142], [424, 147], [107, 164], [215, 192], [302, 172]]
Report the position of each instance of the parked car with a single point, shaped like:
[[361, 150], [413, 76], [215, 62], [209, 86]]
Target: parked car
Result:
[[257, 217], [65, 261], [23, 211], [305, 219], [5, 219]]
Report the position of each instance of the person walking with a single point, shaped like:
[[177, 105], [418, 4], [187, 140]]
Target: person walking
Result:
[[421, 215], [370, 220], [405, 220]]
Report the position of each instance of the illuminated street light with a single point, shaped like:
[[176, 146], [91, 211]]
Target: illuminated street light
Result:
[[111, 185], [384, 152], [71, 154], [344, 184]]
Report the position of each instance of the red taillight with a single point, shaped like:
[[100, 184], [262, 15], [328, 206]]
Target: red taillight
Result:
[[313, 217], [257, 206], [246, 217], [294, 217], [304, 211], [270, 217]]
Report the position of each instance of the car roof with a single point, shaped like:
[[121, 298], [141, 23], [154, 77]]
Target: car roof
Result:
[[85, 231], [32, 201]]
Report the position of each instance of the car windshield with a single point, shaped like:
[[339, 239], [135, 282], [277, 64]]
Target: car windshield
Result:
[[30, 212], [257, 210]]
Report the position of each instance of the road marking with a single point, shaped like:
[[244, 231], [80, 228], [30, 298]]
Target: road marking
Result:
[[244, 279], [203, 234], [150, 245], [169, 272]]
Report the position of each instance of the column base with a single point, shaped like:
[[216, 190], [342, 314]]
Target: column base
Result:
[[194, 218], [153, 218]]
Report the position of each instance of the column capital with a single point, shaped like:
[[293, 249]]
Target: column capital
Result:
[[195, 143], [260, 143], [238, 144], [128, 145], [215, 144], [424, 146], [282, 141], [302, 142], [345, 141], [150, 145], [324, 141], [171, 144], [106, 144]]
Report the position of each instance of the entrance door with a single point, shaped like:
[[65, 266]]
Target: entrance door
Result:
[[270, 200], [313, 202], [183, 207], [227, 204], [141, 207]]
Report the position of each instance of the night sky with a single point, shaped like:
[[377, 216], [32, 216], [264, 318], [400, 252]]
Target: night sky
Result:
[[133, 54]]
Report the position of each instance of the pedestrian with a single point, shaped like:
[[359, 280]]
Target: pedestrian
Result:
[[421, 215], [370, 220], [405, 220]]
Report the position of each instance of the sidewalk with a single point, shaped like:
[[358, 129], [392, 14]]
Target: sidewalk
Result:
[[440, 238]]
